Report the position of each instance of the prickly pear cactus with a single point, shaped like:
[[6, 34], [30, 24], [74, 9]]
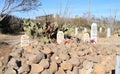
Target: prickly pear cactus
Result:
[[31, 28]]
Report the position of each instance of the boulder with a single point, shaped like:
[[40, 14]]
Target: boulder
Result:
[[64, 56], [36, 68], [74, 61], [24, 69], [10, 71], [69, 72], [87, 65], [44, 63], [99, 69], [46, 50], [60, 71], [82, 71], [44, 72], [53, 67], [66, 65], [75, 70]]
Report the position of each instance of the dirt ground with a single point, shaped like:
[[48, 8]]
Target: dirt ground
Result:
[[7, 42]]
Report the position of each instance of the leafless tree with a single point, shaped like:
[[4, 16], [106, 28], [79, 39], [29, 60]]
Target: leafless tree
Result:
[[11, 6]]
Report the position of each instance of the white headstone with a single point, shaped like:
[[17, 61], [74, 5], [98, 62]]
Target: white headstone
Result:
[[76, 31], [85, 30], [100, 29], [108, 32], [117, 70], [94, 32], [60, 37], [86, 37], [24, 40]]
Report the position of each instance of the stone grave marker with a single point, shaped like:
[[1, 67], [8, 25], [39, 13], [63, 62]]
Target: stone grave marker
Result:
[[108, 32], [76, 30], [60, 37], [100, 29], [94, 32], [24, 40], [85, 30], [86, 37], [117, 69]]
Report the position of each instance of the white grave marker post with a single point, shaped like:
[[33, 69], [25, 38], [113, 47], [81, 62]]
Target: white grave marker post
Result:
[[86, 37], [24, 40], [60, 37], [76, 30], [100, 29], [108, 32], [94, 32], [117, 70]]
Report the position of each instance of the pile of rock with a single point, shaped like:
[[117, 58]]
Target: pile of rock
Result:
[[60, 59]]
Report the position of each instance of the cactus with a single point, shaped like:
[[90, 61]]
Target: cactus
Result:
[[31, 28]]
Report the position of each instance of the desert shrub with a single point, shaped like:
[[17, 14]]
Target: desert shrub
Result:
[[11, 25], [46, 32]]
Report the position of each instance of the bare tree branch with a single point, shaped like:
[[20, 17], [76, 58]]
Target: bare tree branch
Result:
[[11, 6]]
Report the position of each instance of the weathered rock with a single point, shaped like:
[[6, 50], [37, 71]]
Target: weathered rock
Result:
[[60, 71], [53, 67], [36, 68], [7, 59], [87, 65], [95, 59], [12, 63], [82, 71], [10, 71], [64, 56], [81, 53], [66, 65], [38, 58], [45, 72], [17, 53], [44, 63], [34, 58], [69, 72], [46, 50], [73, 53], [74, 61], [1, 63], [29, 49], [24, 69], [56, 58], [75, 70], [89, 71], [99, 69]]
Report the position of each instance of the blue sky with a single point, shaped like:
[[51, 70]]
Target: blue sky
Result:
[[98, 8]]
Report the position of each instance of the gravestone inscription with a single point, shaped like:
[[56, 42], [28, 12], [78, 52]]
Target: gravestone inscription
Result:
[[86, 37], [24, 40], [60, 37]]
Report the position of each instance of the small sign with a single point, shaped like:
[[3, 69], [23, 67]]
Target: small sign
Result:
[[60, 37], [108, 32], [24, 40], [117, 70], [86, 37], [94, 32]]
